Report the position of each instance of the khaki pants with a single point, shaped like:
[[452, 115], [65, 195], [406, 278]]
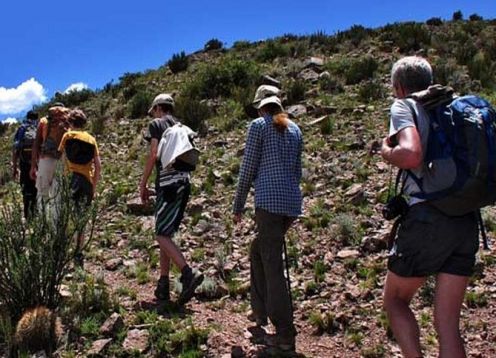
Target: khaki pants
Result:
[[269, 291]]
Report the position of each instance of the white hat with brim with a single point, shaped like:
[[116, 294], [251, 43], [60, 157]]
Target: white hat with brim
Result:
[[271, 99], [265, 91], [162, 98]]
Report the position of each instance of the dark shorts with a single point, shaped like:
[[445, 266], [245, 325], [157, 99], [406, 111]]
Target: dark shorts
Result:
[[82, 190], [430, 242], [169, 208]]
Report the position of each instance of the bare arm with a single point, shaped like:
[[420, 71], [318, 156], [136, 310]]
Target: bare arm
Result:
[[15, 159], [98, 169], [150, 163], [35, 154], [408, 153]]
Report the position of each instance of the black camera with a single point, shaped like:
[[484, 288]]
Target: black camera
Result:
[[395, 207]]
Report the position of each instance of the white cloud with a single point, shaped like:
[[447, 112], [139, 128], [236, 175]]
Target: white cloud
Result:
[[9, 120], [21, 98], [76, 87]]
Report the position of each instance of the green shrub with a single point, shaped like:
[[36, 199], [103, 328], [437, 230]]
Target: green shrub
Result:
[[98, 125], [228, 116], [457, 16], [173, 337], [37, 253], [74, 98], [271, 50], [354, 71], [324, 323], [408, 36], [482, 68], [241, 45], [371, 90], [327, 126], [178, 62], [356, 34], [139, 104], [213, 44], [222, 79], [475, 17], [296, 91], [192, 112], [434, 21], [346, 230]]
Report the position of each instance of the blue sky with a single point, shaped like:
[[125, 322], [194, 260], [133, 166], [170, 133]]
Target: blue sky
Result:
[[47, 46]]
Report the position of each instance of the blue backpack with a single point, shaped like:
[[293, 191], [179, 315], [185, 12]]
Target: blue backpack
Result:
[[460, 159]]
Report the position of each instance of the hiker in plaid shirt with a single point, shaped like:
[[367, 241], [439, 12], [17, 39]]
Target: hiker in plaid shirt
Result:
[[272, 161]]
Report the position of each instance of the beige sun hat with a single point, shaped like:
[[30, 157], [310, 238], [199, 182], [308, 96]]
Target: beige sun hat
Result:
[[264, 92], [271, 99], [163, 98]]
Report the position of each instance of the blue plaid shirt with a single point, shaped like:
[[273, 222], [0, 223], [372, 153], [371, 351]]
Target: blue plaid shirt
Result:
[[272, 160]]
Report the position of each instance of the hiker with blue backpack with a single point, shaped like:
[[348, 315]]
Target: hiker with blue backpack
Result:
[[445, 148], [21, 161]]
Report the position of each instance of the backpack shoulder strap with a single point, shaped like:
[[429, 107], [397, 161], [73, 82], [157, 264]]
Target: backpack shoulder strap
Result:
[[412, 109]]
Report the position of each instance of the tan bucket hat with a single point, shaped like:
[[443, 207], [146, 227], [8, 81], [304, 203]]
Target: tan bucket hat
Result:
[[163, 98], [264, 92]]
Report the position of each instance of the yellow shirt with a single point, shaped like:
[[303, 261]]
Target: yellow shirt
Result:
[[88, 169]]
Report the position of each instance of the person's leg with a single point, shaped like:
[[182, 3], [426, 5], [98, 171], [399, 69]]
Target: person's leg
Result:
[[450, 292], [258, 290], [28, 189], [169, 211], [271, 230], [398, 293], [162, 292], [169, 251]]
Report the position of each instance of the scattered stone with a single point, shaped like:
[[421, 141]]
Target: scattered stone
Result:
[[318, 120], [267, 80], [112, 325], [325, 75], [325, 110], [348, 254], [201, 227], [314, 62], [113, 264], [136, 340], [309, 75], [65, 292], [373, 244], [136, 207], [354, 190], [98, 347], [296, 111]]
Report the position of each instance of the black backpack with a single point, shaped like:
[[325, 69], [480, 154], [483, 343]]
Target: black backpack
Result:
[[26, 140], [78, 151]]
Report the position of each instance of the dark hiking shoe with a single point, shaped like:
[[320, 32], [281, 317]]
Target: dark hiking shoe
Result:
[[162, 292], [79, 260], [259, 321], [190, 281], [280, 343]]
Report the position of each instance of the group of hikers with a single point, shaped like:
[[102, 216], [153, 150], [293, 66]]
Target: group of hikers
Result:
[[428, 242]]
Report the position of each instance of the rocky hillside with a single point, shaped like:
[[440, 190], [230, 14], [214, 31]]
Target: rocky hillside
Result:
[[336, 88]]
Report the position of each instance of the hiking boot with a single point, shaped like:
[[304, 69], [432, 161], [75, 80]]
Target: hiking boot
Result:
[[259, 321], [190, 281], [79, 260], [162, 291], [280, 343]]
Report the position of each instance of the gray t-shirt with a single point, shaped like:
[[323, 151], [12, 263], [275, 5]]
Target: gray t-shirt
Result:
[[401, 118]]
